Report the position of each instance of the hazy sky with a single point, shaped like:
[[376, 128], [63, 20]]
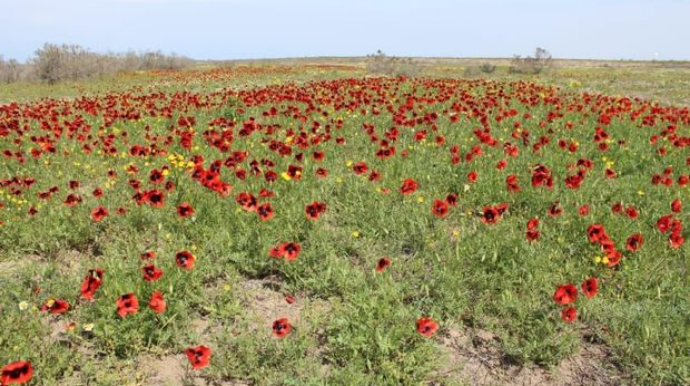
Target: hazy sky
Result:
[[230, 29]]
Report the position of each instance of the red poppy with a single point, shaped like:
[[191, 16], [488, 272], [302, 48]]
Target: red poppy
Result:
[[555, 210], [148, 255], [157, 303], [676, 206], [276, 252], [375, 176], [29, 181], [139, 198], [583, 210], [541, 176], [455, 159], [533, 224], [315, 209], [270, 176], [16, 373], [565, 294], [295, 172], [532, 235], [281, 327], [569, 314], [99, 213], [472, 177], [321, 172], [382, 264], [222, 188], [185, 260], [634, 242], [664, 223], [490, 215], [265, 211], [156, 176], [427, 327], [452, 199], [512, 184], [151, 273], [289, 299], [265, 193], [290, 250], [676, 226], [127, 304], [501, 208], [185, 210], [590, 287], [676, 239], [614, 257], [632, 212], [385, 153], [92, 282], [199, 357], [55, 306], [440, 208], [684, 181], [596, 232], [574, 181], [155, 198], [72, 200], [408, 187], [247, 201]]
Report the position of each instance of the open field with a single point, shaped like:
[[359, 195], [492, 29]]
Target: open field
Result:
[[664, 81], [313, 225]]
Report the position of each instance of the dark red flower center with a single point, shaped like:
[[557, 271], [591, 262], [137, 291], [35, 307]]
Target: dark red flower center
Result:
[[17, 373]]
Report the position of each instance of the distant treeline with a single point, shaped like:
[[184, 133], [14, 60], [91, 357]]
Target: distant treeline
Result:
[[54, 63]]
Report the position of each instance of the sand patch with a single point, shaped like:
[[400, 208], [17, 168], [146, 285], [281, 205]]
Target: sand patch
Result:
[[475, 358]]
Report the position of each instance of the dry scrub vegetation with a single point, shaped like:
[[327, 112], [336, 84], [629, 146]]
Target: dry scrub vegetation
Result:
[[53, 63]]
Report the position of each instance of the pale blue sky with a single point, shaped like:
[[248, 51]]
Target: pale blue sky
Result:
[[230, 29]]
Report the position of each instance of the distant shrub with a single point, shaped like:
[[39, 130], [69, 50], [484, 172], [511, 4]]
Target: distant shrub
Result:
[[54, 63], [471, 72], [10, 70], [382, 64], [541, 61], [487, 68], [476, 71]]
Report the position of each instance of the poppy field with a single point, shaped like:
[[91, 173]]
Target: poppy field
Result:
[[339, 230]]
